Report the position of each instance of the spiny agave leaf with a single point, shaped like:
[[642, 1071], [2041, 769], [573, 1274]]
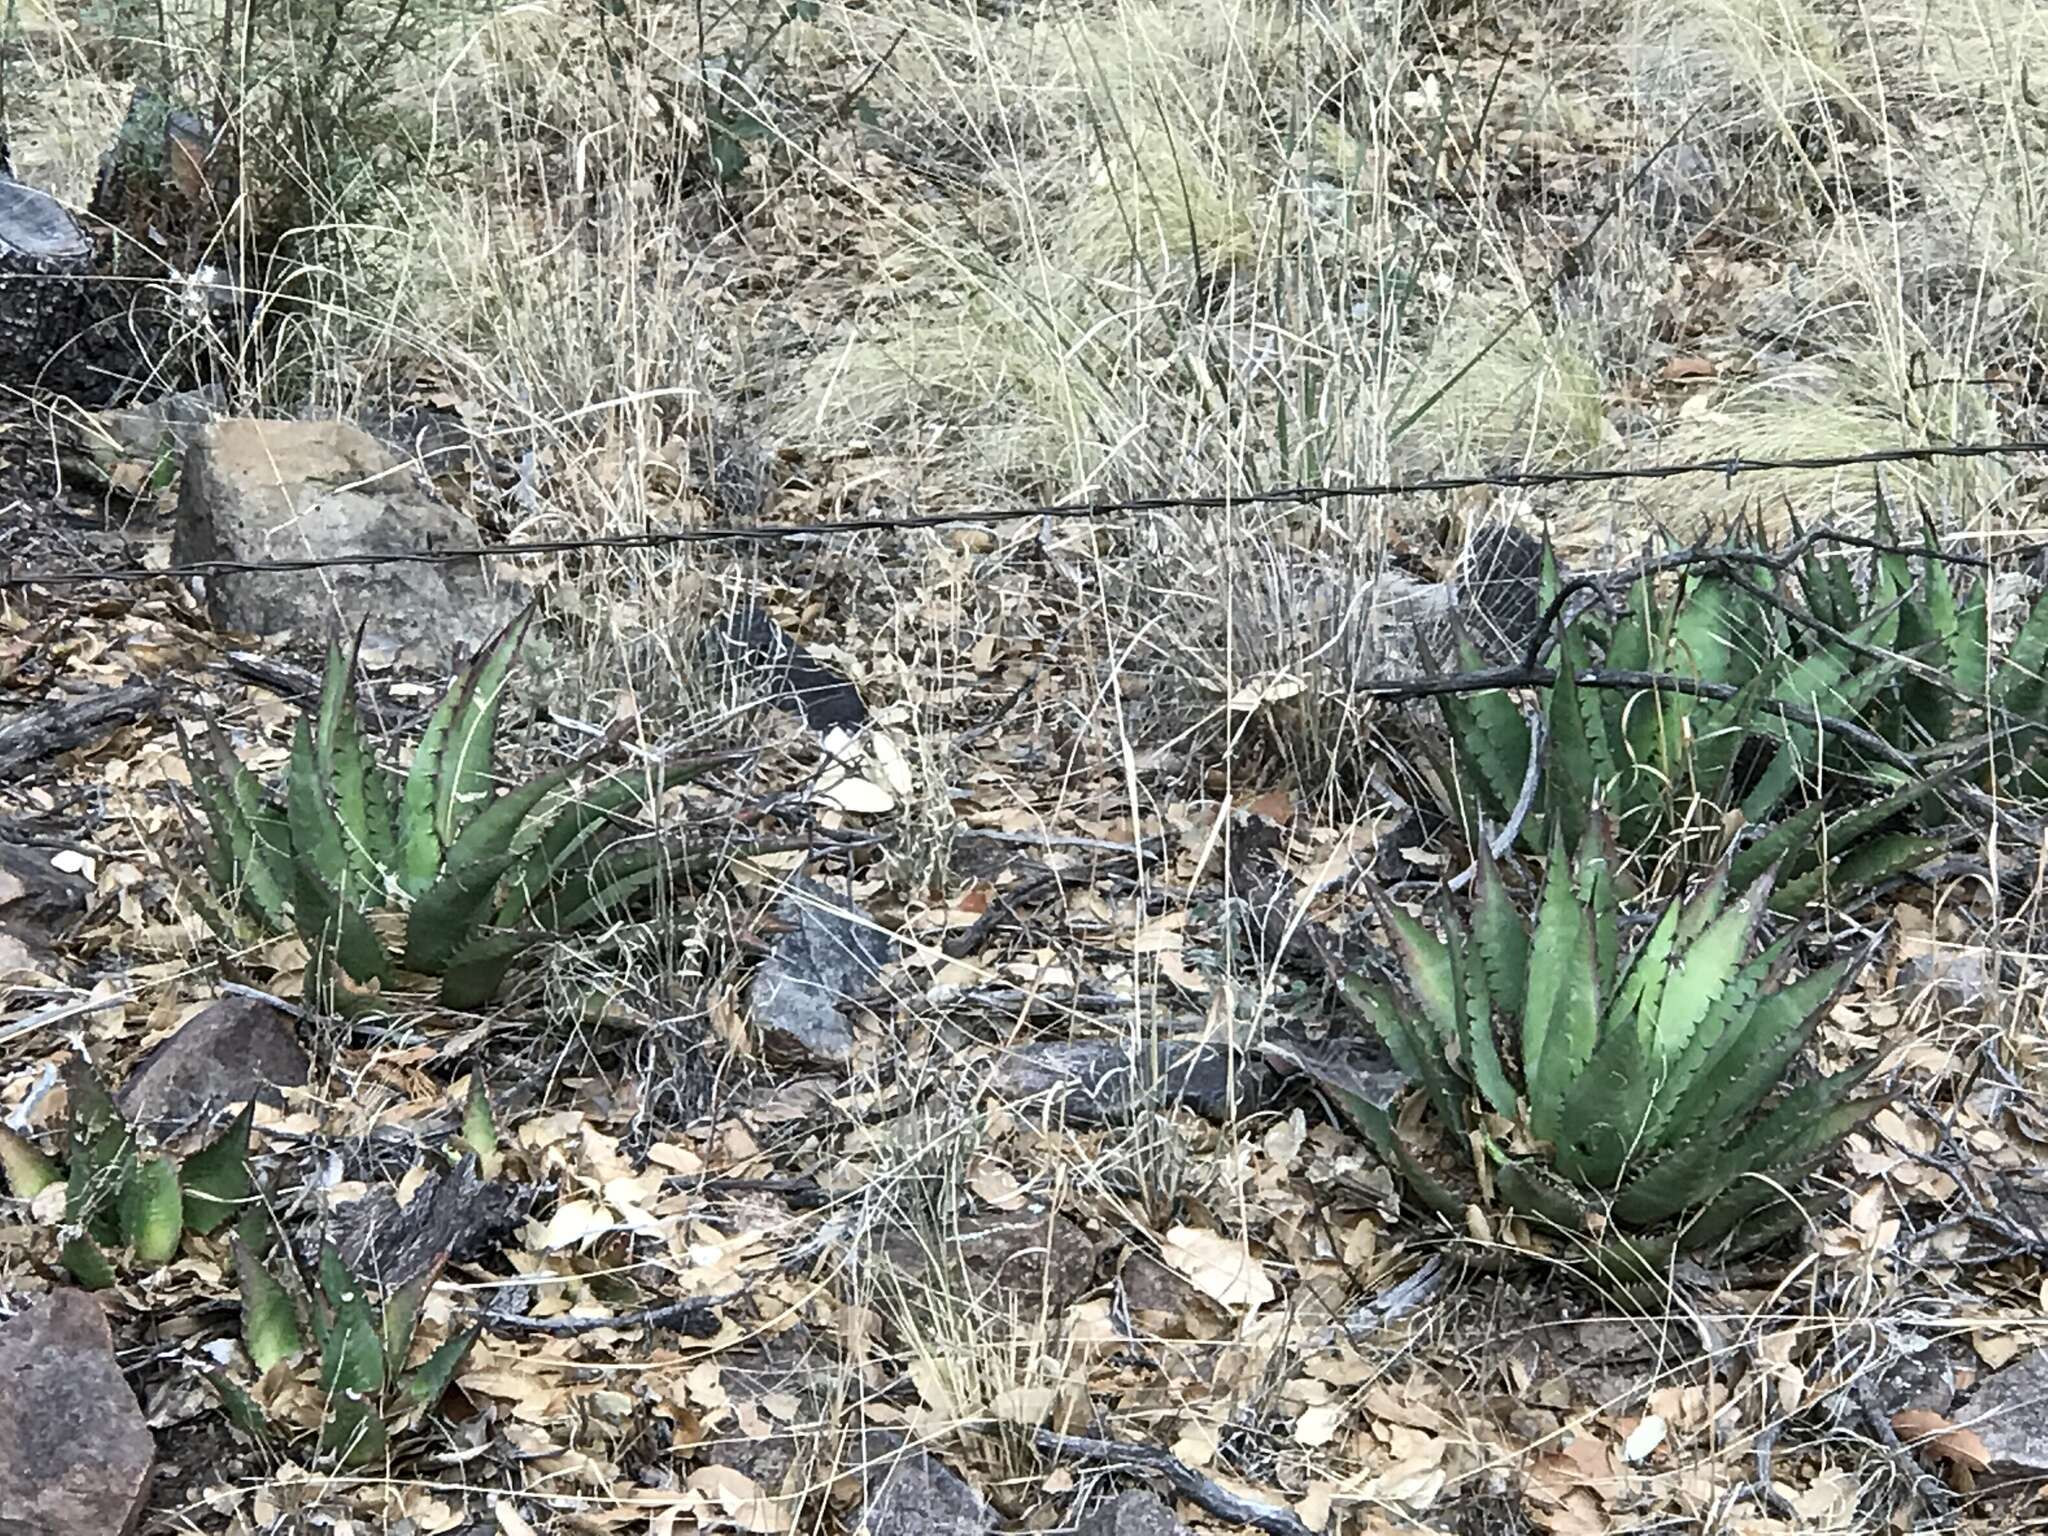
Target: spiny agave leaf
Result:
[[29, 1172], [1755, 1052], [100, 1157], [1700, 909], [443, 921], [419, 843], [216, 1177], [1581, 763], [479, 1125], [567, 840], [335, 1280], [465, 776], [1730, 1007], [1779, 842], [1636, 998], [1540, 1196], [1816, 1124], [477, 969], [1490, 737], [1863, 867], [239, 1406], [153, 1212], [1684, 1176], [447, 912], [1595, 877], [2021, 686], [1495, 964], [361, 789], [259, 840], [401, 1319], [602, 891], [1412, 1043], [1605, 1118], [1702, 970], [327, 916], [1425, 967], [270, 1320], [1970, 658], [86, 1262], [1563, 1011], [353, 1431], [352, 1356], [1378, 1128], [427, 1385]]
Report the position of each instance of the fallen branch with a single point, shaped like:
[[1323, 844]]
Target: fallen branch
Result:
[[43, 733], [1211, 1496]]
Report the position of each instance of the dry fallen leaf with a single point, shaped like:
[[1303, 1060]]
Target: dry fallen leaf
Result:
[[1924, 1429], [1219, 1267]]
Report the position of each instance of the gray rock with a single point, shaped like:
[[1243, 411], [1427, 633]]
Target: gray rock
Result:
[[455, 1214], [2009, 1413], [1131, 1514], [1101, 1082], [831, 952], [232, 1051], [75, 1454], [912, 1493], [294, 490]]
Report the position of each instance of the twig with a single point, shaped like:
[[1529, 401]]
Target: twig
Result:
[[43, 733], [1212, 1497]]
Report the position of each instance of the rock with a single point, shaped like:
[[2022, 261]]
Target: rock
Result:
[[75, 1454], [2009, 1412], [912, 1493], [1035, 1261], [749, 650], [294, 490], [1164, 1305], [828, 954], [229, 1052], [1098, 1082], [1132, 1514], [127, 447]]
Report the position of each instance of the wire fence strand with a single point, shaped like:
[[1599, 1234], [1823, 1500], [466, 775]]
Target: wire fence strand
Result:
[[1730, 469]]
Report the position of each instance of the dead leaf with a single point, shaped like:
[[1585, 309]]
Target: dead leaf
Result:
[[1924, 1429], [1223, 1270]]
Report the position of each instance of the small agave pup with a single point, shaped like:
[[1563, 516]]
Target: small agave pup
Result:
[[120, 1196], [1625, 1099], [466, 880]]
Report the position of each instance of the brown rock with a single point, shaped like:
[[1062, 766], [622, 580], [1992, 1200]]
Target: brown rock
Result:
[[75, 1454], [2009, 1413], [296, 490], [229, 1052]]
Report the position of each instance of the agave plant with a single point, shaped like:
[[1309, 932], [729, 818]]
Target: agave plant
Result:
[[1674, 762], [431, 874], [367, 1388], [117, 1195], [1631, 1099]]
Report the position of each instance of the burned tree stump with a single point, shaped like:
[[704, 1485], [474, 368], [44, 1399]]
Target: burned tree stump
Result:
[[46, 273]]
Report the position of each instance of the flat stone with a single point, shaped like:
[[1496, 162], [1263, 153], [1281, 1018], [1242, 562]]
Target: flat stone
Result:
[[231, 1051], [2009, 1412], [747, 649], [829, 953], [298, 490], [75, 1454], [1136, 1513]]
